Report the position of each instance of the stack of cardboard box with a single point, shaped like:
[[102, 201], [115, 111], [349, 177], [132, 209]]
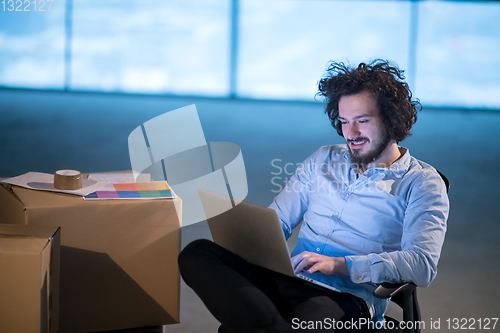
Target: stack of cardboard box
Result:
[[29, 278], [118, 257]]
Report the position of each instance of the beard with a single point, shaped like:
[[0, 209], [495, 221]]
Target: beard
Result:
[[362, 160]]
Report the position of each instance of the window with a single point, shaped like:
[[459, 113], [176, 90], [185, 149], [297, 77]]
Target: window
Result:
[[458, 54], [450, 50], [285, 45], [179, 47], [32, 44]]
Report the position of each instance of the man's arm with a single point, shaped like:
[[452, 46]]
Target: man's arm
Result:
[[423, 236], [293, 201], [424, 228]]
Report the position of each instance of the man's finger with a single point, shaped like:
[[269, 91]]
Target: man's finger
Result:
[[314, 268], [296, 260], [299, 257], [300, 265], [309, 260]]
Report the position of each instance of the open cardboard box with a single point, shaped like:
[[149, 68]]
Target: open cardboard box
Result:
[[29, 278], [118, 257]]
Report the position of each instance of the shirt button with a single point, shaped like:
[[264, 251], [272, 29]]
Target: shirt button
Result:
[[336, 213], [326, 235], [318, 249]]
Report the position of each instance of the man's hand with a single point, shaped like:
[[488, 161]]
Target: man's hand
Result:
[[314, 262]]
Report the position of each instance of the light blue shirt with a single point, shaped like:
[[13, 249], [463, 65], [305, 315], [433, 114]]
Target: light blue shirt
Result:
[[389, 223]]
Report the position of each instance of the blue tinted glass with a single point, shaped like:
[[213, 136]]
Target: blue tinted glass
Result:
[[458, 61], [151, 46], [32, 43], [285, 45]]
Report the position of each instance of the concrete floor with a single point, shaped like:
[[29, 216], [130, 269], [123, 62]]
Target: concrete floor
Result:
[[47, 131]]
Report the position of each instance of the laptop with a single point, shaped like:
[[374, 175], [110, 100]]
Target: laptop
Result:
[[253, 232]]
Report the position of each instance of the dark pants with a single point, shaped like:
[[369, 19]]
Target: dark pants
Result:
[[248, 298]]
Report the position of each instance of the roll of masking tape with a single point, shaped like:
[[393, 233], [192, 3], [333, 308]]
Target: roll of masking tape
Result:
[[67, 180]]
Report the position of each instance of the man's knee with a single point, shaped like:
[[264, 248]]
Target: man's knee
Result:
[[195, 248], [193, 252]]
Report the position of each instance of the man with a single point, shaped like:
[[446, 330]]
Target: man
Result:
[[371, 213]]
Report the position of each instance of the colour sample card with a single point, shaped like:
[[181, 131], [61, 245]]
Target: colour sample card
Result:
[[149, 190]]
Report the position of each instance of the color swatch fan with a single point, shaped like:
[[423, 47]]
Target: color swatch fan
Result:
[[149, 190]]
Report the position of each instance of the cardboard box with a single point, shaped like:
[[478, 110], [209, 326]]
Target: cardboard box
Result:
[[29, 278], [118, 257]]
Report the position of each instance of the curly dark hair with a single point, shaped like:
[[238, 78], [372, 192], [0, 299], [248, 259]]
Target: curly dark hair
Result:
[[385, 81]]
